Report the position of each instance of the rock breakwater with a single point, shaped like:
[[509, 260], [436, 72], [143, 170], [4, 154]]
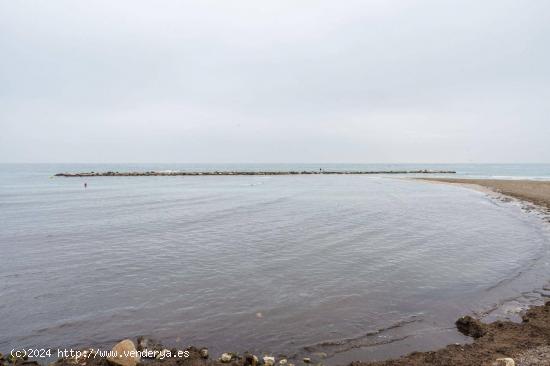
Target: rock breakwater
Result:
[[210, 173]]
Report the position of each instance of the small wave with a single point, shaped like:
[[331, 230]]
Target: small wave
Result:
[[508, 279], [332, 347], [511, 307]]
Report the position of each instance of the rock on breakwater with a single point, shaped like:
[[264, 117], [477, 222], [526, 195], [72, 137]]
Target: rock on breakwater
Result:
[[210, 173]]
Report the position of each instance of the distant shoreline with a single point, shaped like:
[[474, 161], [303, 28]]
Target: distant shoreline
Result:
[[209, 173]]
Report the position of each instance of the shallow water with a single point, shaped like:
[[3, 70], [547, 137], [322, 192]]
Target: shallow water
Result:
[[283, 264]]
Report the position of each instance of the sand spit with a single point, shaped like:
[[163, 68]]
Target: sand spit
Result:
[[536, 192]]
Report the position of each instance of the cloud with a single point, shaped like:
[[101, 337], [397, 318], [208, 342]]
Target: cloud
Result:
[[213, 81]]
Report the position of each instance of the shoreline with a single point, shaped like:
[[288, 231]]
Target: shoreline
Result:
[[531, 191], [528, 342], [499, 343]]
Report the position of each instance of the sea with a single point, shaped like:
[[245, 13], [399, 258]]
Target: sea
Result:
[[333, 267]]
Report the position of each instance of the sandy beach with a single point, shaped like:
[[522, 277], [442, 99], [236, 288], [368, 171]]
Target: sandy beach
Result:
[[536, 192]]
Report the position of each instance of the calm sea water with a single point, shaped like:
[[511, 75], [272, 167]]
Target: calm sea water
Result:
[[282, 264]]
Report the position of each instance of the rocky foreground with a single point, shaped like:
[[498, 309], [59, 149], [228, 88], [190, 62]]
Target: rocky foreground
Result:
[[291, 172], [499, 343]]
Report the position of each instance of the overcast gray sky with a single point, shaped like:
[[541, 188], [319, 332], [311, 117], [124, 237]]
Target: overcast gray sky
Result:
[[275, 81]]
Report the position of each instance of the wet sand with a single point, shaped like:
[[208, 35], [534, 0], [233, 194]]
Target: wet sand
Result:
[[527, 343], [536, 192]]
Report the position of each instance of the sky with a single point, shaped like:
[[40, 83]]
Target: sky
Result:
[[357, 81]]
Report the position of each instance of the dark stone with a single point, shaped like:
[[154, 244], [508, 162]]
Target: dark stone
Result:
[[470, 327], [204, 353], [249, 360]]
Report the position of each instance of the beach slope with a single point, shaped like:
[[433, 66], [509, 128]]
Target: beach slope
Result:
[[536, 192], [528, 342]]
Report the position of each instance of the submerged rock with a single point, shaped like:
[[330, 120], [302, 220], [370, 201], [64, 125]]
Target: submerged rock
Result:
[[307, 360], [124, 353], [269, 360]]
